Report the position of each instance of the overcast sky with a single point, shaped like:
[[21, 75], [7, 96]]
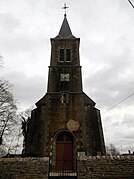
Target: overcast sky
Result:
[[106, 30]]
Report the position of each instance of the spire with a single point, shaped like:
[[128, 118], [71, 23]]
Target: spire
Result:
[[65, 31]]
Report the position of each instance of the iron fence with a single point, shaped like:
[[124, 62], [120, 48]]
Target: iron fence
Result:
[[63, 169]]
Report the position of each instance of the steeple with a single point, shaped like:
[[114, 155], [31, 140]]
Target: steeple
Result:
[[65, 31], [65, 118]]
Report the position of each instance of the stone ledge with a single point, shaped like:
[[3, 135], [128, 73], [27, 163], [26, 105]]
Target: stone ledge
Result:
[[20, 159], [118, 157]]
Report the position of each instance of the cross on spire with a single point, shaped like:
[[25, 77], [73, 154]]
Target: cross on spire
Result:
[[65, 7]]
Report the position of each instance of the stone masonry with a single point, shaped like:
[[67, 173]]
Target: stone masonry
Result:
[[24, 168], [105, 167], [89, 167]]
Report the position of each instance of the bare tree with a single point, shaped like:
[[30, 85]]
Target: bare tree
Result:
[[13, 124], [112, 150], [10, 123], [7, 111]]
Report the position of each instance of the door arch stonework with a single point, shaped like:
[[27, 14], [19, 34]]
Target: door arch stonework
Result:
[[64, 149]]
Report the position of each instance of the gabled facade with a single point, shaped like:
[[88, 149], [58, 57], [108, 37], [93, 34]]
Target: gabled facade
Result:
[[65, 123]]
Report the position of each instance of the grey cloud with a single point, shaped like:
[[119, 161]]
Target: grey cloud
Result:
[[114, 81], [128, 120], [125, 133], [8, 23], [27, 90], [21, 43]]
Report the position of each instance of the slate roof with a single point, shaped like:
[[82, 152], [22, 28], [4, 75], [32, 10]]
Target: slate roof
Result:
[[65, 31]]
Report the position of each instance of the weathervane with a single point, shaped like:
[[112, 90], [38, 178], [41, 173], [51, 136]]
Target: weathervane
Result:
[[65, 7]]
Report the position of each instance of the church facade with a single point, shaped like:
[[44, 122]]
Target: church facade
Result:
[[65, 123]]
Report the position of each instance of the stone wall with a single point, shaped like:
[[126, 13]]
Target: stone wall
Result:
[[117, 167], [24, 168]]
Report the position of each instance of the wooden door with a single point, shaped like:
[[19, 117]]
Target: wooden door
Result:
[[64, 155]]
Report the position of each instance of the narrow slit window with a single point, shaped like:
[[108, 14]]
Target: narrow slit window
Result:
[[61, 55], [68, 55]]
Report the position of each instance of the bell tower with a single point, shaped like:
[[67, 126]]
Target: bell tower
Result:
[[65, 122], [65, 70]]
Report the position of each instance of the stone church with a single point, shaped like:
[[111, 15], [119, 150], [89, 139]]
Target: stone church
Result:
[[64, 136], [65, 123]]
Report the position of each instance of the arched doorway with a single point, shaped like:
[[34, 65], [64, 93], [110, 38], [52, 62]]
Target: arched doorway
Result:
[[64, 151]]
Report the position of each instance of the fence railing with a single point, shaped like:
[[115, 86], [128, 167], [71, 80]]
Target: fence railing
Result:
[[63, 168]]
